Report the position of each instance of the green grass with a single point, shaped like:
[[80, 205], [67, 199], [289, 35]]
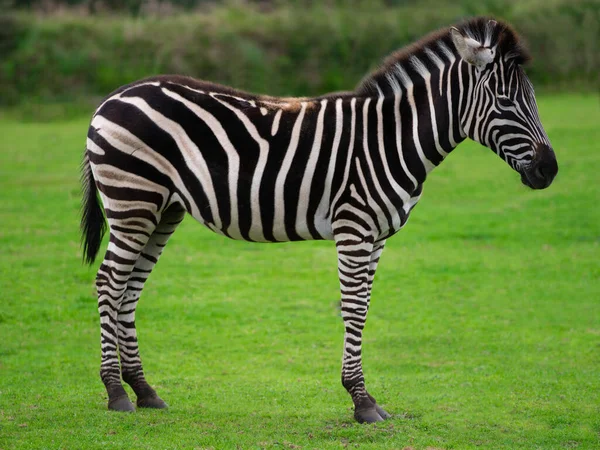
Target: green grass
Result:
[[484, 329]]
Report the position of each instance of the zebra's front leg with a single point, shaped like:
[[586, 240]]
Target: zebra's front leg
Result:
[[356, 271], [373, 262]]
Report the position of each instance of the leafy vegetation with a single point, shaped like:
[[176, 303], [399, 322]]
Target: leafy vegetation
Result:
[[483, 330], [287, 48]]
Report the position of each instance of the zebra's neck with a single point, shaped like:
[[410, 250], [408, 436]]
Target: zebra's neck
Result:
[[430, 90]]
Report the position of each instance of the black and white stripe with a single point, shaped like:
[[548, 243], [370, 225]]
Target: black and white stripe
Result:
[[347, 167]]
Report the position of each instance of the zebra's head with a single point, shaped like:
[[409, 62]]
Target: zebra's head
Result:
[[499, 110]]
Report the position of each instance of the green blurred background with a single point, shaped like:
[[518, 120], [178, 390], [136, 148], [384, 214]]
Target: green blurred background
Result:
[[70, 53]]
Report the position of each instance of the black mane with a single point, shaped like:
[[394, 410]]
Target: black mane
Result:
[[483, 29]]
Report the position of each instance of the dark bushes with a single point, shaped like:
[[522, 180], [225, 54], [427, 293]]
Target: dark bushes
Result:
[[284, 50]]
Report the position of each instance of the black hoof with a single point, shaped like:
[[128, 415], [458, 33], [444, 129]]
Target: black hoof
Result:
[[151, 402], [368, 415], [382, 412], [121, 404]]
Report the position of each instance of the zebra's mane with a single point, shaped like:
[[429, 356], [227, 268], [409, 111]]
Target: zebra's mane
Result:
[[488, 31]]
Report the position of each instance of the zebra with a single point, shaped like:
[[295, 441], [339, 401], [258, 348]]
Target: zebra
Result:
[[347, 167]]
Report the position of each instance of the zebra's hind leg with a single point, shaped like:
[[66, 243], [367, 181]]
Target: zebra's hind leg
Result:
[[131, 363], [128, 237], [357, 261]]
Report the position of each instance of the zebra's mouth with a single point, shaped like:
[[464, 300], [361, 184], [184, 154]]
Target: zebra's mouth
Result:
[[534, 180], [541, 173], [538, 177], [525, 180]]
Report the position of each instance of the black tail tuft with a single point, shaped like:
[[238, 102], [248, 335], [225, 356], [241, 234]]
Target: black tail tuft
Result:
[[93, 225]]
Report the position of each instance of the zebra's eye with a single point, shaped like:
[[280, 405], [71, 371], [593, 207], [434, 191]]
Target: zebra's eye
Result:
[[505, 102]]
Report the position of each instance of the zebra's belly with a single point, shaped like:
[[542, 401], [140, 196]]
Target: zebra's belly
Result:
[[294, 226], [256, 226]]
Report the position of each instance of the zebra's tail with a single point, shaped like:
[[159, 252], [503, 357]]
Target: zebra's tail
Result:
[[93, 225]]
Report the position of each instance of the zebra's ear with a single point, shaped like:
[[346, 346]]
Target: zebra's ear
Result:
[[471, 50]]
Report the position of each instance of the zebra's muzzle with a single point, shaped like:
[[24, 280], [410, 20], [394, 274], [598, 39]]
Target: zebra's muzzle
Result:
[[542, 172]]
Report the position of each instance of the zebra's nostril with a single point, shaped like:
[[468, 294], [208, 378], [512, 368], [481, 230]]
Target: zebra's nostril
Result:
[[546, 170], [539, 173]]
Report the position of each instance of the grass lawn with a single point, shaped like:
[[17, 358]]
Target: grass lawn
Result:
[[484, 329]]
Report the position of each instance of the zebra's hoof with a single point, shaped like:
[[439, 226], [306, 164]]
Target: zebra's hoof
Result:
[[368, 415], [382, 412], [154, 402], [121, 404]]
